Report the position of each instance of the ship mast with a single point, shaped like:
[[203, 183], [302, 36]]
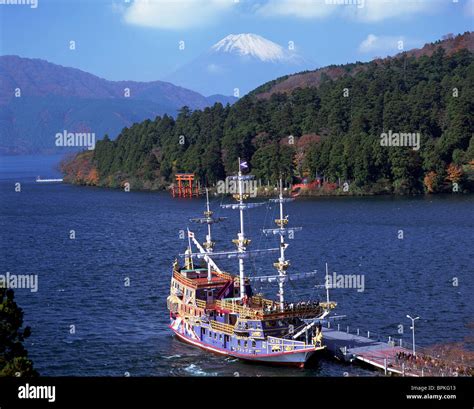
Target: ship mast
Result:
[[206, 251], [208, 244], [327, 284], [241, 241], [282, 264]]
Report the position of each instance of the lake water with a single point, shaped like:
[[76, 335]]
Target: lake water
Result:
[[135, 236]]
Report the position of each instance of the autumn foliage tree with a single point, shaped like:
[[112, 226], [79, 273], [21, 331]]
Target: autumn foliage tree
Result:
[[429, 181], [454, 173], [81, 169]]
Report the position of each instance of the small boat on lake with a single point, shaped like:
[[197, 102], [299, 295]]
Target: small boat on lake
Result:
[[39, 180]]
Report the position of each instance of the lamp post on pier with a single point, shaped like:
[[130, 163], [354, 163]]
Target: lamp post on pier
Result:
[[413, 331]]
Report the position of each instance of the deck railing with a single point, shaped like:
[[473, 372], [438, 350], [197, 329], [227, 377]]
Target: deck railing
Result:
[[241, 310], [201, 303], [270, 309], [278, 344], [219, 326], [297, 310], [224, 275], [328, 305], [178, 276], [195, 283]]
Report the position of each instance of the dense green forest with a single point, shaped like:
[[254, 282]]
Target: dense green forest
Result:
[[13, 355], [332, 132]]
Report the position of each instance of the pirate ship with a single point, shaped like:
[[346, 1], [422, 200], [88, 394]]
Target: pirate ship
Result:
[[218, 311]]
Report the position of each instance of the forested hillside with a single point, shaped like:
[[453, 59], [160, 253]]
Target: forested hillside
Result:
[[330, 131]]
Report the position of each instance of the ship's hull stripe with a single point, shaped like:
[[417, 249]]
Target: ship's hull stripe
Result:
[[236, 354]]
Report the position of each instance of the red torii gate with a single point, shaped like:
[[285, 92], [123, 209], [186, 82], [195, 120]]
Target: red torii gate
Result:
[[185, 186]]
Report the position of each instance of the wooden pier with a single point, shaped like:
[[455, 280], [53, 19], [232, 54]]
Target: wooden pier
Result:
[[376, 353]]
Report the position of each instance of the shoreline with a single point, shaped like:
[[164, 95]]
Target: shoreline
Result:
[[271, 193]]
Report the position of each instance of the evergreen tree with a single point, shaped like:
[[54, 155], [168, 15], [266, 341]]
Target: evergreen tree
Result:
[[13, 355], [429, 95]]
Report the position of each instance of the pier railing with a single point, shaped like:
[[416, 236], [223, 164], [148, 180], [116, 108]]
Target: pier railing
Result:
[[423, 363]]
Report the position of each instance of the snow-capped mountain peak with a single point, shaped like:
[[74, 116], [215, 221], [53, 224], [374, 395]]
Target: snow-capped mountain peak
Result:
[[251, 45], [239, 62]]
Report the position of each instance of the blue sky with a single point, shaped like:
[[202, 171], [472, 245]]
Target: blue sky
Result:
[[139, 40]]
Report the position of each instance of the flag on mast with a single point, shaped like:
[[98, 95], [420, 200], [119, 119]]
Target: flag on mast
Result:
[[243, 165]]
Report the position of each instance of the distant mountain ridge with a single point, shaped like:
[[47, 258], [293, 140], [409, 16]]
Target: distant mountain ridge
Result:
[[39, 99], [315, 132], [288, 83]]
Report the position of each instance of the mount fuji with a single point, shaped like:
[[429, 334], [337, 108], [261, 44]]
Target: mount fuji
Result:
[[239, 61]]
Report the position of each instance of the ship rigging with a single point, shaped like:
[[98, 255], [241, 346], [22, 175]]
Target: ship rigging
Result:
[[218, 311]]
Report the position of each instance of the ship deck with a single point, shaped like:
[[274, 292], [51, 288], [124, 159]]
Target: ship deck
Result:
[[217, 279]]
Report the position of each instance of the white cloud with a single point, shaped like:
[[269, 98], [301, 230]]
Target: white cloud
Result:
[[184, 14], [296, 8], [175, 14], [469, 8], [362, 10], [383, 45], [379, 10]]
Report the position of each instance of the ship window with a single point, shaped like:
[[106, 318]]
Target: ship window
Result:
[[254, 344], [245, 344], [238, 342]]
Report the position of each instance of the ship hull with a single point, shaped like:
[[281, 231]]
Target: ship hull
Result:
[[293, 358]]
